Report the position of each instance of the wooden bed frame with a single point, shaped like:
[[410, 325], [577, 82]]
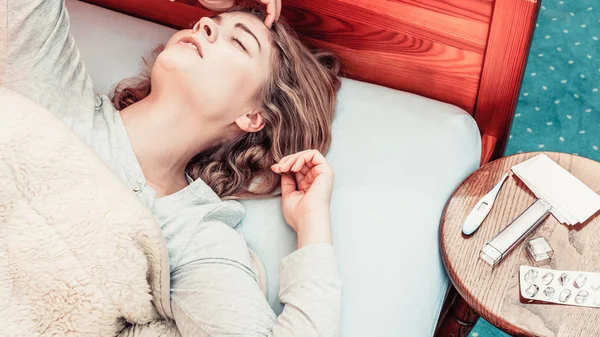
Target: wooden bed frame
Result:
[[470, 53]]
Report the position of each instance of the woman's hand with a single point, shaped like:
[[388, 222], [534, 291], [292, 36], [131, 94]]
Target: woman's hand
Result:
[[273, 11], [217, 5], [306, 184], [273, 8]]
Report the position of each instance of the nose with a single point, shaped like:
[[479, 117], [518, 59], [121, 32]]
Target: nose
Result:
[[208, 28]]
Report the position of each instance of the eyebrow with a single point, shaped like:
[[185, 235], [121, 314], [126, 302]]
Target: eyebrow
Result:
[[218, 19], [244, 28]]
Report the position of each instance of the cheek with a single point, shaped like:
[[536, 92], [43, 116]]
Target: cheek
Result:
[[233, 78]]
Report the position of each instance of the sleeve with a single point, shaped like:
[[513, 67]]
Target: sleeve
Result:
[[38, 56], [214, 291]]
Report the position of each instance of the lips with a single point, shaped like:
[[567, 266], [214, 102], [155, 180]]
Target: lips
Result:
[[193, 43]]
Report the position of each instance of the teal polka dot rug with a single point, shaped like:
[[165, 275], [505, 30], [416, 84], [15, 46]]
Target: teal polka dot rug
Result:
[[559, 104]]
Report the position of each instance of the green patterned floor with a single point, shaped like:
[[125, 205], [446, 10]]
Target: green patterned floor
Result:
[[559, 105]]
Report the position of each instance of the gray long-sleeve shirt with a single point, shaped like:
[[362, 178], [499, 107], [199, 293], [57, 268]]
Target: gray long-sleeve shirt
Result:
[[214, 289]]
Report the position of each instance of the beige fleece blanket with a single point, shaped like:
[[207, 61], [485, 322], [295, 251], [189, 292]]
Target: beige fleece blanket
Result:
[[79, 254]]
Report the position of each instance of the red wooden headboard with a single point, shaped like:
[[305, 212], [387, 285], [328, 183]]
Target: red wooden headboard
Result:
[[470, 53]]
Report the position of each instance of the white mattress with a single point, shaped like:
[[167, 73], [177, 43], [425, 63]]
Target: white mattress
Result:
[[397, 158]]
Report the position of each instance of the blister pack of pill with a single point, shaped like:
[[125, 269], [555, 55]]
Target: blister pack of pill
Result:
[[560, 286]]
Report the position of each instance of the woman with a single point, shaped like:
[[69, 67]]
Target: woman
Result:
[[235, 107]]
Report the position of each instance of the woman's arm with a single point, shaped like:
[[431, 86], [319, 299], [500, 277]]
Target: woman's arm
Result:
[[214, 292], [38, 56]]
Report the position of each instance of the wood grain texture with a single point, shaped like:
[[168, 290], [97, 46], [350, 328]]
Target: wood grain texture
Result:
[[494, 293], [457, 318], [511, 32], [431, 48]]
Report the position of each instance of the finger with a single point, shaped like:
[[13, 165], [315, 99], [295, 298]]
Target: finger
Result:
[[310, 176], [298, 164], [217, 6], [279, 7], [314, 158], [279, 166], [304, 169], [317, 183], [276, 167], [299, 178], [288, 184], [269, 20], [282, 163], [287, 165], [318, 159], [307, 158], [271, 12], [315, 172]]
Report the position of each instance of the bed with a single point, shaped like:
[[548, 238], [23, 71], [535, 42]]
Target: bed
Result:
[[430, 87]]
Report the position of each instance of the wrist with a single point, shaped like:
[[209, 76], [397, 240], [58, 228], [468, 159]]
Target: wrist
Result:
[[314, 228]]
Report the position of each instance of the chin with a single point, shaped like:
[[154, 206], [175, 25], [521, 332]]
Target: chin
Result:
[[171, 74], [176, 58]]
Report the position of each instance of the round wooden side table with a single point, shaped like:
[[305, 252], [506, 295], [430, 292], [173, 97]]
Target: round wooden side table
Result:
[[494, 293]]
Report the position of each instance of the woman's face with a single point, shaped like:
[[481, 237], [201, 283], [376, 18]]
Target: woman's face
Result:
[[218, 67]]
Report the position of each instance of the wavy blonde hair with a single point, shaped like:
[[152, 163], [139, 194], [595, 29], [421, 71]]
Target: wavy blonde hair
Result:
[[298, 109]]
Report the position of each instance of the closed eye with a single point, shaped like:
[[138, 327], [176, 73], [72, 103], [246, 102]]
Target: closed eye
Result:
[[236, 40]]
